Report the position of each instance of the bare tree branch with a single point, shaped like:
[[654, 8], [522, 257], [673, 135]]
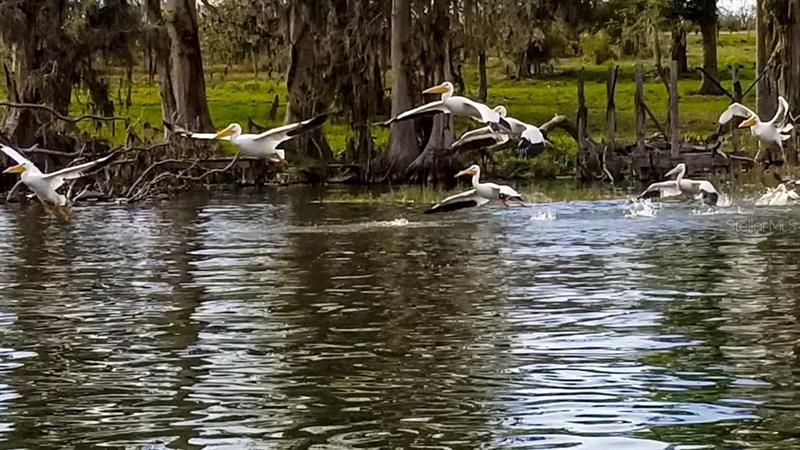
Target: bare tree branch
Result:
[[61, 116]]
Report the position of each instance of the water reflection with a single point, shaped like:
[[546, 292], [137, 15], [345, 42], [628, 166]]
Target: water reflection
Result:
[[268, 320]]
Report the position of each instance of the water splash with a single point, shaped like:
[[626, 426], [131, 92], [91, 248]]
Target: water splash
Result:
[[724, 201], [641, 208], [544, 216], [400, 222]]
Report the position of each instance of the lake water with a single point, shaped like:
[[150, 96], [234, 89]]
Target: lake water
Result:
[[270, 320]]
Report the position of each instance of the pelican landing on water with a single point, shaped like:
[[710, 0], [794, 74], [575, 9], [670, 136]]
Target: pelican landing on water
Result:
[[262, 146], [44, 185], [479, 195], [459, 106], [780, 196], [680, 186]]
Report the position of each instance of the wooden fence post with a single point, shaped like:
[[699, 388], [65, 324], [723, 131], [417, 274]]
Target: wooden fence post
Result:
[[583, 114], [611, 109], [674, 124], [737, 93], [639, 108]]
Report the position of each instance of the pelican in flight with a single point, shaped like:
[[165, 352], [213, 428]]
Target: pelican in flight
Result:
[[262, 146], [530, 140], [459, 106], [484, 137], [773, 132], [479, 195], [44, 185], [780, 196], [680, 186]]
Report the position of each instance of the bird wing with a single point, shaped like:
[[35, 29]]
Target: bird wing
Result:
[[291, 130], [465, 199], [533, 135], [662, 189], [706, 186], [484, 114], [483, 137], [57, 178], [19, 159], [779, 120], [13, 154], [431, 108], [735, 110], [509, 192]]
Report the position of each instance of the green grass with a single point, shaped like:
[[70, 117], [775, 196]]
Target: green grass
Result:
[[237, 97]]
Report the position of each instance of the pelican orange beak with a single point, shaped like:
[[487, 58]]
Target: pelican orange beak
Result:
[[440, 89], [19, 168], [228, 131], [465, 172], [748, 122]]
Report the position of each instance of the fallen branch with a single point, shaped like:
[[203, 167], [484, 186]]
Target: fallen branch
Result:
[[61, 116], [141, 193]]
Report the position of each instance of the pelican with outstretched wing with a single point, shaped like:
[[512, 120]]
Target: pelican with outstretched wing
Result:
[[772, 132], [484, 137], [44, 185], [456, 105], [479, 195], [530, 140], [694, 189], [263, 145]]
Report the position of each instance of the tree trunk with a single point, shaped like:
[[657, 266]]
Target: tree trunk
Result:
[[767, 89], [791, 69], [308, 94], [483, 90], [403, 141], [186, 64], [679, 47], [41, 70], [158, 41], [709, 32], [523, 66], [434, 163]]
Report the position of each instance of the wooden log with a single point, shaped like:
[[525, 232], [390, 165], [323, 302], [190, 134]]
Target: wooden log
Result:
[[674, 124], [638, 108]]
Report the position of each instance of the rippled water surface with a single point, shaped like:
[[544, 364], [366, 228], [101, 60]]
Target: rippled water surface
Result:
[[273, 321]]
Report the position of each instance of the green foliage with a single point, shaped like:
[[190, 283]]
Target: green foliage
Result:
[[597, 47]]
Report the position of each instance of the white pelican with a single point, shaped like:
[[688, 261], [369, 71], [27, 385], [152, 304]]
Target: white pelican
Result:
[[484, 137], [780, 196], [695, 189], [459, 106], [479, 195], [530, 138], [773, 132], [44, 185], [263, 145]]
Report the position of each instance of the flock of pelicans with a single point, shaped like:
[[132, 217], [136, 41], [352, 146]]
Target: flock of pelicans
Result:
[[499, 129]]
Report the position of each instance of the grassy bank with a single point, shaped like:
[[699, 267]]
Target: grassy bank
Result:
[[237, 96]]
